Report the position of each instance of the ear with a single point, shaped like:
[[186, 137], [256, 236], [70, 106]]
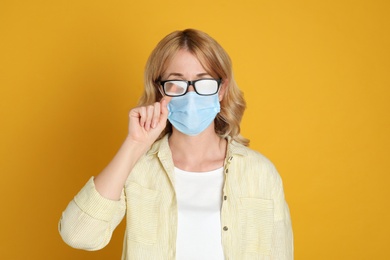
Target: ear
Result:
[[223, 88]]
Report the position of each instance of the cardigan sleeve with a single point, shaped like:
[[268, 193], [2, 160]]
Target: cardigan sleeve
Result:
[[90, 219], [282, 242]]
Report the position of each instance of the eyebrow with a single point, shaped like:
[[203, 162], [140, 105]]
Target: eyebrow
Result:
[[181, 75]]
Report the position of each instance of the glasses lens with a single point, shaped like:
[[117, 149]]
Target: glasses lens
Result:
[[175, 88], [206, 86]]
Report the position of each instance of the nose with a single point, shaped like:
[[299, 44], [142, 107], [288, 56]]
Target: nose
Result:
[[190, 88]]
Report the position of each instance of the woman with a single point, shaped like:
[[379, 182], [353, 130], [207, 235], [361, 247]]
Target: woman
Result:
[[184, 178]]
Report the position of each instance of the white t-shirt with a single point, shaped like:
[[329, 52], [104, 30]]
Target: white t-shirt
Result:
[[199, 198]]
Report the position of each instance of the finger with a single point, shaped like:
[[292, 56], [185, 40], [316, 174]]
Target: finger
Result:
[[156, 114], [142, 114], [134, 113], [164, 107], [149, 117]]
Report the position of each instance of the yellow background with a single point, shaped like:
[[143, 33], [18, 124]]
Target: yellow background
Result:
[[315, 76]]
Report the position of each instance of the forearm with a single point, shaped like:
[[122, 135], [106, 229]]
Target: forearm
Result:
[[146, 124], [110, 182]]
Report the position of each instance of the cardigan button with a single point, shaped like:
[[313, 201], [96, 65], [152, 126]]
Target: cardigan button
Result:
[[225, 228], [225, 197]]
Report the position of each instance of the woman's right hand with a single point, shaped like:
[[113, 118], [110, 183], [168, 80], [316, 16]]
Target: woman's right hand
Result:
[[147, 122], [145, 126]]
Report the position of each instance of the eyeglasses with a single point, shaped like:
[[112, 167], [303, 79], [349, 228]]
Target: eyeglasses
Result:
[[203, 87]]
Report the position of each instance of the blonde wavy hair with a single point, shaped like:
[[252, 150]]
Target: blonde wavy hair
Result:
[[216, 62]]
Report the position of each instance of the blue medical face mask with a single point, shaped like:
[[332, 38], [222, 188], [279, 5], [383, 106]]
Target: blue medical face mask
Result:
[[192, 113]]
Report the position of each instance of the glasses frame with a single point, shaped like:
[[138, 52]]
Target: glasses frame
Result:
[[190, 83]]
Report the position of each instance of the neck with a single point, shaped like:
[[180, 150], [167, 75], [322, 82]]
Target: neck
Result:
[[203, 152]]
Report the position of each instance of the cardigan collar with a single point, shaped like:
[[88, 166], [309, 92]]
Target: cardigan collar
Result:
[[162, 150]]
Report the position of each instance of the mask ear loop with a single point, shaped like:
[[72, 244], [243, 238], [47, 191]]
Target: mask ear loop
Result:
[[159, 87], [161, 92], [221, 85]]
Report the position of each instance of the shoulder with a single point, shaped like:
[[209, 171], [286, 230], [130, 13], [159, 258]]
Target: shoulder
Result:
[[247, 154], [252, 161]]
